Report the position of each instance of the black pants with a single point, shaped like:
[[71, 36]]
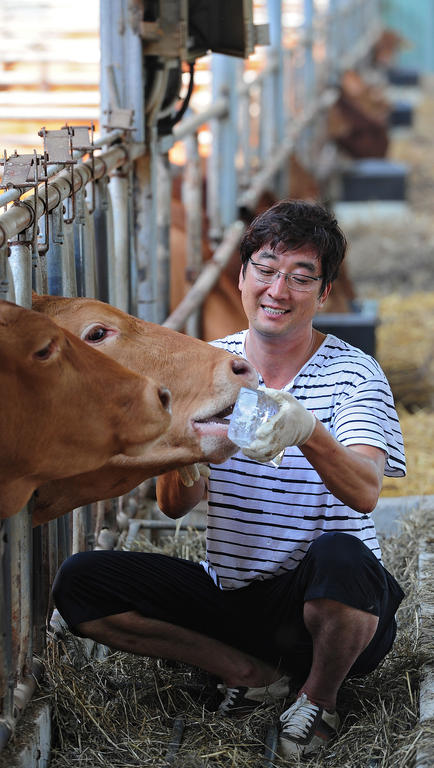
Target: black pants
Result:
[[264, 619]]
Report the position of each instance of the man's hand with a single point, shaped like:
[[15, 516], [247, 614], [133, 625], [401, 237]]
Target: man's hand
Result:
[[191, 474], [292, 425]]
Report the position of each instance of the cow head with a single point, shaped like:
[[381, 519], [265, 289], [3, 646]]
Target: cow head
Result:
[[65, 408], [204, 381]]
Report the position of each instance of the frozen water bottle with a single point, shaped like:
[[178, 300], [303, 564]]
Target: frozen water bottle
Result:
[[252, 408]]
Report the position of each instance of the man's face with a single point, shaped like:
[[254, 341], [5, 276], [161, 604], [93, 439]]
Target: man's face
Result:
[[275, 309]]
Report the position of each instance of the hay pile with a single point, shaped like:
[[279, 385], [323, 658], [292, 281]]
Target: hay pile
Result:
[[121, 711], [405, 349]]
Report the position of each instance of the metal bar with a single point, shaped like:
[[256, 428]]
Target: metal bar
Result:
[[56, 253], [89, 246], [105, 140], [85, 231], [99, 219], [119, 279], [25, 651], [222, 182], [21, 217], [219, 108], [122, 62], [146, 230], [6, 669], [80, 529], [193, 203], [270, 751], [110, 255], [15, 532], [275, 108], [175, 740], [20, 262], [21, 697], [163, 213]]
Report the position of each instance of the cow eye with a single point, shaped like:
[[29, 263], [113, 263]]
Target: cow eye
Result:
[[46, 352], [96, 334]]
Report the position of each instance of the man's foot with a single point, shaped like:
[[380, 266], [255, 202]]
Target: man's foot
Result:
[[306, 727], [241, 700]]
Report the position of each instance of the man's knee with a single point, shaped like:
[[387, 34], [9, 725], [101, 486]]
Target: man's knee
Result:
[[343, 550], [68, 572]]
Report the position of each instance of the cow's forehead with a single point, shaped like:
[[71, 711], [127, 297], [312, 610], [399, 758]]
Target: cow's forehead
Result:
[[14, 317]]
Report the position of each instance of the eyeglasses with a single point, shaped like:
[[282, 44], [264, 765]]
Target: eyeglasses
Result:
[[294, 281]]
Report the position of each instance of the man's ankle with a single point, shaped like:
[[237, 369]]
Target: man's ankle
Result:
[[328, 704]]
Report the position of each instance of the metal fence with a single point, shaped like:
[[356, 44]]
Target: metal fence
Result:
[[96, 223]]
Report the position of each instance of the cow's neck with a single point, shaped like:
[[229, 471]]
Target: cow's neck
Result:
[[279, 363]]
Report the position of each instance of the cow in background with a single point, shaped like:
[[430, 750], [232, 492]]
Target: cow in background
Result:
[[387, 46], [358, 121], [204, 382], [65, 408], [222, 311]]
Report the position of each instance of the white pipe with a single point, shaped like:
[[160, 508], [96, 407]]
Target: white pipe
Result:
[[119, 263]]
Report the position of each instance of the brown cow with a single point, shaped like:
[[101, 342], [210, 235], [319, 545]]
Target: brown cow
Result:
[[222, 311], [358, 121], [204, 382], [65, 408]]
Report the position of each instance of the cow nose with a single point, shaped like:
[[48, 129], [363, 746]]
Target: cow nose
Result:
[[241, 367], [165, 398]]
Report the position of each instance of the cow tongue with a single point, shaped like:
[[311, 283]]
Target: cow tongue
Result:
[[220, 418]]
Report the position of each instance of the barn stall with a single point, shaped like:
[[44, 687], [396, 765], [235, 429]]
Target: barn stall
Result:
[[144, 210]]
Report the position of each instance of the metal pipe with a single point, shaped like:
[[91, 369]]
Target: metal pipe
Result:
[[55, 253], [164, 216], [25, 650], [175, 741], [217, 109], [89, 246], [101, 246], [80, 529], [85, 253], [15, 574], [119, 273], [22, 216], [146, 231], [68, 262], [20, 262], [22, 695], [193, 203], [105, 140], [110, 255], [6, 669], [270, 751]]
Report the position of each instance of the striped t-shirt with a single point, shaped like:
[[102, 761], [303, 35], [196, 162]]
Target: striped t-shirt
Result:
[[262, 519]]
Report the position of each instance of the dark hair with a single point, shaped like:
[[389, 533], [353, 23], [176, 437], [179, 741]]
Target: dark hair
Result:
[[294, 224]]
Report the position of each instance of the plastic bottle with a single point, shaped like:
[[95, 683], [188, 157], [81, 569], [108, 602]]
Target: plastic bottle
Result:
[[252, 408]]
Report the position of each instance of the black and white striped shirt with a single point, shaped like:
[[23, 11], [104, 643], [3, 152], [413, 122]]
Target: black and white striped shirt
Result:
[[262, 519]]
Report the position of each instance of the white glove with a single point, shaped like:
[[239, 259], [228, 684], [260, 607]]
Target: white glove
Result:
[[192, 473], [291, 425]]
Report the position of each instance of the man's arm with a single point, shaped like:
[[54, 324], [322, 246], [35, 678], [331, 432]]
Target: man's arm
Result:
[[174, 498], [354, 474]]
